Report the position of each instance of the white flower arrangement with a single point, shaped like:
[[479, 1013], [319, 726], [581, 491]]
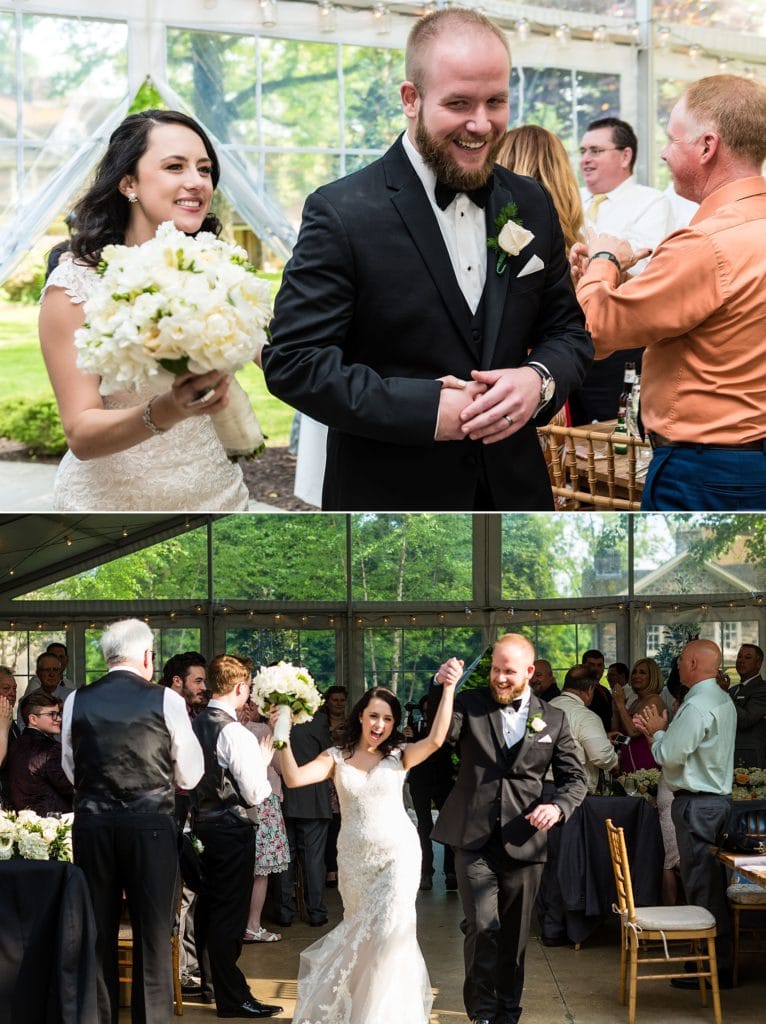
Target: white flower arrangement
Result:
[[535, 723], [289, 687], [749, 784], [643, 782], [173, 304], [27, 835]]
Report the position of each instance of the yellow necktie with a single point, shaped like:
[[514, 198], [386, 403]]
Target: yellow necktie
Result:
[[594, 204]]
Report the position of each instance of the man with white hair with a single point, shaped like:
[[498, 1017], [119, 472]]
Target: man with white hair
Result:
[[126, 744]]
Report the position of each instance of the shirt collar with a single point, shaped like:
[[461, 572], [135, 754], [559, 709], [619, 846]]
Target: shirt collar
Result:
[[421, 168], [219, 704]]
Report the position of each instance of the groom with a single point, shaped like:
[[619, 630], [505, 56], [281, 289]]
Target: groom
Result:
[[496, 820], [426, 353]]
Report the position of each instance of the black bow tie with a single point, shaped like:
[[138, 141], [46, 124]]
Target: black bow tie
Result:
[[515, 704], [444, 194]]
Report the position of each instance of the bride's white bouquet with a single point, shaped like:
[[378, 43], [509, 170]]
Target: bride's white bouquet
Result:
[[172, 304], [27, 835], [291, 688]]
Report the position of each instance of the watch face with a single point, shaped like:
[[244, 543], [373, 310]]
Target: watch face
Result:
[[548, 389]]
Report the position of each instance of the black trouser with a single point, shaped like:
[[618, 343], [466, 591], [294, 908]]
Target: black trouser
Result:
[[228, 862], [699, 819], [498, 897], [137, 853], [307, 838], [423, 797]]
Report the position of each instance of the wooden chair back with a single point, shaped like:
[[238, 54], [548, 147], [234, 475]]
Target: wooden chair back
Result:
[[621, 868], [580, 487]]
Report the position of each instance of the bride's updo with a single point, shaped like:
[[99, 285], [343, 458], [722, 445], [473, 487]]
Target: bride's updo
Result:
[[101, 216], [351, 732]]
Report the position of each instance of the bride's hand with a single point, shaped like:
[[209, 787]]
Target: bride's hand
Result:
[[200, 394]]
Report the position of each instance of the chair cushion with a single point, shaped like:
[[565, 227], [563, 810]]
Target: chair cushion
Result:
[[669, 919], [744, 892]]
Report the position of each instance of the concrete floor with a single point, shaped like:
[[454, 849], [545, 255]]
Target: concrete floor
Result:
[[563, 986]]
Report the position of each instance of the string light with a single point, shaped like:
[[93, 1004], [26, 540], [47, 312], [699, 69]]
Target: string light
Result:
[[326, 16], [381, 19], [522, 30], [68, 542], [600, 35], [268, 12], [723, 65], [694, 53], [563, 36], [663, 37]]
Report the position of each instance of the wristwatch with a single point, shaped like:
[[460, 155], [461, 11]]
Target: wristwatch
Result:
[[547, 385]]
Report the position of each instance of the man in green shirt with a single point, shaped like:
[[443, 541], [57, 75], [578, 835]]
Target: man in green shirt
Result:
[[696, 754]]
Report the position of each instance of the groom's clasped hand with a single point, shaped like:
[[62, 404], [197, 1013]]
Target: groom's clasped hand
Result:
[[490, 407]]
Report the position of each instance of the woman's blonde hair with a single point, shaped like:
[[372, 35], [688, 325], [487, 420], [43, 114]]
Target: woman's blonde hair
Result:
[[656, 682], [540, 154]]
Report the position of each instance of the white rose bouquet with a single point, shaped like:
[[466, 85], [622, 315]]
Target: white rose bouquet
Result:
[[178, 304], [291, 688], [27, 835]]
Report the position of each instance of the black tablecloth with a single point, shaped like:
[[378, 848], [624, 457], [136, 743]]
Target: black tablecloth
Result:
[[577, 889], [47, 944]]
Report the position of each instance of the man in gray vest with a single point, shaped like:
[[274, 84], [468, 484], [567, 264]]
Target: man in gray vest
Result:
[[234, 780], [126, 744]]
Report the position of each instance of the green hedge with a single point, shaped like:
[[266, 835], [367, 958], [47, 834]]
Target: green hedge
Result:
[[35, 423]]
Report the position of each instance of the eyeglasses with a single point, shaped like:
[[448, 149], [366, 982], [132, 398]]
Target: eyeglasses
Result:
[[49, 714], [598, 150]]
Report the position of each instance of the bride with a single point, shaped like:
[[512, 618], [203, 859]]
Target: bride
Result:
[[149, 450], [369, 970]]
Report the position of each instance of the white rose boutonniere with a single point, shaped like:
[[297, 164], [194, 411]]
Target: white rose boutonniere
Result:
[[535, 723], [511, 236]]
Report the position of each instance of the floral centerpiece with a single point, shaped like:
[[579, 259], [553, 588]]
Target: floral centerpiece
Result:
[[643, 783], [175, 304], [291, 689], [749, 784], [27, 835]]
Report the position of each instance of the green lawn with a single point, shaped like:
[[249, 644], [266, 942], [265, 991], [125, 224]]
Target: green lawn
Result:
[[23, 375]]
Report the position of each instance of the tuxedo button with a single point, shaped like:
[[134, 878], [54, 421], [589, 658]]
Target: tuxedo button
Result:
[[476, 335]]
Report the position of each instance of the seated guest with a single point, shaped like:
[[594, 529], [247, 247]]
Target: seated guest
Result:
[[594, 749], [543, 682], [234, 780], [50, 674], [37, 780], [647, 683]]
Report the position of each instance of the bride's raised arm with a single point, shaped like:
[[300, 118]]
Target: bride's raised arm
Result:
[[296, 775], [448, 676]]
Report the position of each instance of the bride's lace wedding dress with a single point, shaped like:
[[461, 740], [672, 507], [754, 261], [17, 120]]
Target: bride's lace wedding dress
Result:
[[369, 970], [185, 469]]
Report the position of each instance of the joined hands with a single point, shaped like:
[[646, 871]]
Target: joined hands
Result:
[[490, 407]]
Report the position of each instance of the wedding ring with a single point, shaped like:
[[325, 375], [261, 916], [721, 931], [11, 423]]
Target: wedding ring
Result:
[[204, 397], [509, 419]]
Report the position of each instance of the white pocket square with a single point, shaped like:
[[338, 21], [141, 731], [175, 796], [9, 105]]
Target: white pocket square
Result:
[[545, 739], [533, 264]]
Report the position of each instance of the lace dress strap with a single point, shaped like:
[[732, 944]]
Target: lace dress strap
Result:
[[77, 279]]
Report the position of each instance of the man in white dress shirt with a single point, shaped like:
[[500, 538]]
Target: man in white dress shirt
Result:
[[615, 204], [593, 746], [126, 744], [234, 780]]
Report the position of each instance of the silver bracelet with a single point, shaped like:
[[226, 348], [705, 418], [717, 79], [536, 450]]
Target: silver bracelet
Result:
[[147, 418]]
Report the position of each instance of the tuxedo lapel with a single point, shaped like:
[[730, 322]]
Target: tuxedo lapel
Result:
[[414, 208], [496, 285]]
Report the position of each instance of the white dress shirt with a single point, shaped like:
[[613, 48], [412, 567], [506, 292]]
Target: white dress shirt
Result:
[[515, 722], [185, 750], [464, 229], [593, 746], [641, 215], [238, 750]]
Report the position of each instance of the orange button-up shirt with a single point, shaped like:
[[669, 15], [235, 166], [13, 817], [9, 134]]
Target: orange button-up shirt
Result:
[[699, 307]]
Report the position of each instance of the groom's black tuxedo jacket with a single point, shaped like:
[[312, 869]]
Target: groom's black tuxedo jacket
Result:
[[370, 314], [495, 785]]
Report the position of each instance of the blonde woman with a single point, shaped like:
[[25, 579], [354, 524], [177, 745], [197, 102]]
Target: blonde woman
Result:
[[538, 153], [647, 683]]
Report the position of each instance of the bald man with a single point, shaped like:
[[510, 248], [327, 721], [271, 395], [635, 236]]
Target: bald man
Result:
[[696, 754], [496, 819]]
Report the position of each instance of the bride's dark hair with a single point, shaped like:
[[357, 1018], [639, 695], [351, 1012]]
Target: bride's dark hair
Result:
[[101, 216], [351, 732]]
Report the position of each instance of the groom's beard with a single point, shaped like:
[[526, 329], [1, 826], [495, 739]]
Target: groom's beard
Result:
[[436, 155]]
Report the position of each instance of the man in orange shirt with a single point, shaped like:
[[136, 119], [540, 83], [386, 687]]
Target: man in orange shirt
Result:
[[699, 307]]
